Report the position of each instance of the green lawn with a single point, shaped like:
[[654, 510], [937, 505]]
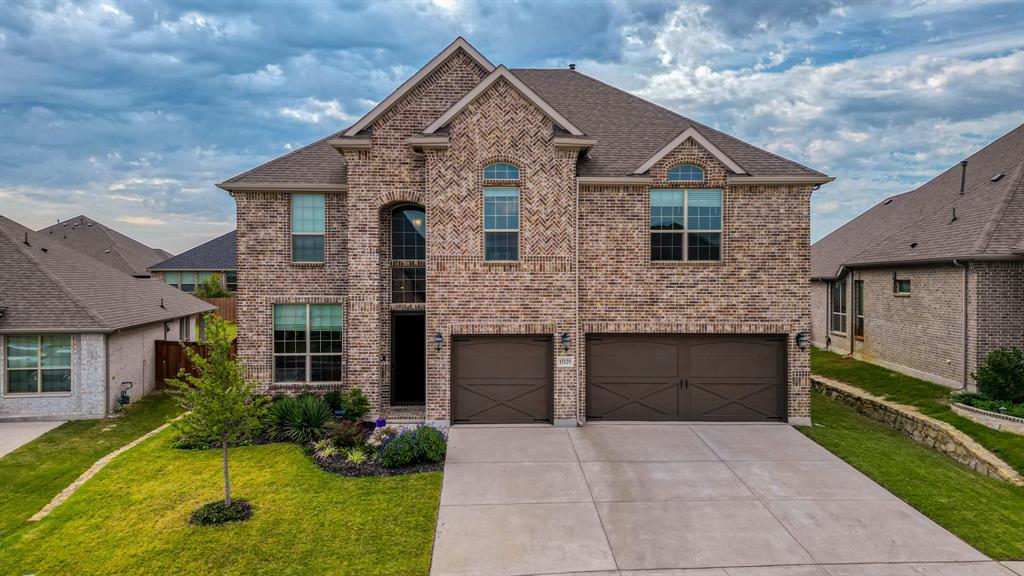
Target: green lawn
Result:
[[987, 513], [931, 399], [32, 475], [131, 519]]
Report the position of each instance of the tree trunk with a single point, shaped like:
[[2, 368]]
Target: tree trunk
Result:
[[227, 483]]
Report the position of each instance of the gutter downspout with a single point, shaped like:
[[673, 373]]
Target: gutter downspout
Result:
[[580, 340], [851, 311], [963, 265]]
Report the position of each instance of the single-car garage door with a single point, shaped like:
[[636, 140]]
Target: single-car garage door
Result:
[[501, 379], [729, 377]]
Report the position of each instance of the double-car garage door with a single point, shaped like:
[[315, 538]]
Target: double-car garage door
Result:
[[508, 379]]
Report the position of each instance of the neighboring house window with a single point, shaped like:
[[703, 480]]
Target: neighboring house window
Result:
[[839, 306], [686, 173], [858, 309], [231, 281], [501, 171], [409, 245], [173, 279], [698, 236], [307, 228], [307, 342], [901, 286], [39, 363], [188, 282], [183, 329]]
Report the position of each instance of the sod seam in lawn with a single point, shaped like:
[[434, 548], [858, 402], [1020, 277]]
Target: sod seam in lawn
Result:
[[931, 399], [986, 513], [36, 472], [132, 519]]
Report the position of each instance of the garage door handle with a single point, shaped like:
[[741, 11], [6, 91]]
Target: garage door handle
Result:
[[684, 383]]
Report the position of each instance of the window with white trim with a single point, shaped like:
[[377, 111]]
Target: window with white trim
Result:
[[307, 227], [38, 364], [838, 323], [308, 342], [686, 224]]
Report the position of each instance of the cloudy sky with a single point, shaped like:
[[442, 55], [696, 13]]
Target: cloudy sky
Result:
[[130, 111]]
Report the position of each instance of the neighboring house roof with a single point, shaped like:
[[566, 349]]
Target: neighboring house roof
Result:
[[92, 238], [47, 286], [217, 254], [918, 226], [629, 131]]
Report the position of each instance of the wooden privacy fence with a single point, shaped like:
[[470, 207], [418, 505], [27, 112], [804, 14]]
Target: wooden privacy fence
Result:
[[170, 358], [226, 308]]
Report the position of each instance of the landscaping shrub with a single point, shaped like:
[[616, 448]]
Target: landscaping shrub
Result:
[[985, 403], [324, 448], [347, 434], [421, 444], [220, 513], [301, 419], [355, 455], [1002, 376], [334, 400], [353, 405]]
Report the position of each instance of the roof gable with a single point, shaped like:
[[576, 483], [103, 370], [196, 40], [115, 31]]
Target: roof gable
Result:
[[501, 72], [217, 254], [460, 43], [92, 238], [690, 132]]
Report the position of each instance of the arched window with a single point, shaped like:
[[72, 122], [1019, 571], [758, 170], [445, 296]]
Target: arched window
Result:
[[501, 171], [686, 173]]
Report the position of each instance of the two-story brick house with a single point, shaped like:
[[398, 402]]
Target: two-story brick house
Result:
[[496, 245]]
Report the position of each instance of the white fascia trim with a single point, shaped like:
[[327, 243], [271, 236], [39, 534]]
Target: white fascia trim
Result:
[[691, 132], [281, 187], [503, 72], [740, 180], [428, 142], [459, 43], [573, 142], [615, 180]]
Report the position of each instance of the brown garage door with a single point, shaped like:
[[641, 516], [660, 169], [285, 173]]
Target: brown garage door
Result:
[[686, 377], [501, 379]]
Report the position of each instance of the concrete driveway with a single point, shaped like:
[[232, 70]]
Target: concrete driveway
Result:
[[676, 500], [14, 435]]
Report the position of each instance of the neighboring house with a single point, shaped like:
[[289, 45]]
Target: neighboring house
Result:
[[529, 245], [74, 330], [930, 281], [190, 269], [87, 236]]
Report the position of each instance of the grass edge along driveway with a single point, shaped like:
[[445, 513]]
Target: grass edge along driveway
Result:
[[931, 399], [131, 519], [986, 513], [36, 472]]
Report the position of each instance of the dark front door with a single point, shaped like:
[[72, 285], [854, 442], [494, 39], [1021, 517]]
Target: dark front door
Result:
[[408, 358], [501, 379], [686, 377]]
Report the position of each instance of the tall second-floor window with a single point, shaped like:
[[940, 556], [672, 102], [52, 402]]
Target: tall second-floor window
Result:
[[408, 253], [307, 228], [838, 323], [501, 213], [686, 224]]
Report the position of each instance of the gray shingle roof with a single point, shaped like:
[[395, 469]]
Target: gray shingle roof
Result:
[[628, 129], [92, 238], [919, 226], [48, 286], [217, 254]]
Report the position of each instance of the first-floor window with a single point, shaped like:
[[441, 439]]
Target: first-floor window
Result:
[[39, 363], [188, 281], [901, 286], [307, 342], [231, 281], [858, 309], [839, 306]]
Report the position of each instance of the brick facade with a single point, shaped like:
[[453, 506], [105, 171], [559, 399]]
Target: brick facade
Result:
[[760, 285], [922, 334]]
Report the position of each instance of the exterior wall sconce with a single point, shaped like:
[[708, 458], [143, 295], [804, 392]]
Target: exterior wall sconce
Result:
[[803, 341], [438, 340], [566, 339]]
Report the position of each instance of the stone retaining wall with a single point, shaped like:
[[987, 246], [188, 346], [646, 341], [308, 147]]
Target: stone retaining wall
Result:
[[991, 419], [923, 429]]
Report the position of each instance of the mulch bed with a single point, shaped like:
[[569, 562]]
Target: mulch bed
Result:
[[338, 465]]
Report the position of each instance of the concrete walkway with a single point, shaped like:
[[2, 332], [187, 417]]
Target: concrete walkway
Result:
[[14, 435], [676, 500]]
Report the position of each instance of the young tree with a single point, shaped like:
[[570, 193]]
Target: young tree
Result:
[[219, 402], [211, 288]]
